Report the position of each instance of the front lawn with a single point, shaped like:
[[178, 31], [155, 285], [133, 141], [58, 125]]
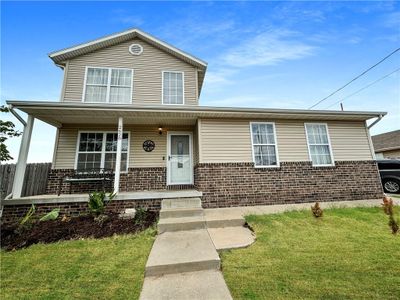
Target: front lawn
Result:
[[348, 254], [109, 268]]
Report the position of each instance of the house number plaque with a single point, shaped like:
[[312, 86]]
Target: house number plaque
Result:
[[148, 145]]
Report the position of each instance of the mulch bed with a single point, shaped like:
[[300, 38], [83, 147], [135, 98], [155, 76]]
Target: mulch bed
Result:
[[15, 237]]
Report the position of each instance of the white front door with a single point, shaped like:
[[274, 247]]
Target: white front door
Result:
[[179, 163]]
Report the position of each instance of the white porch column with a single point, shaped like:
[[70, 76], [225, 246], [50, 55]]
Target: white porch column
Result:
[[22, 158], [118, 158]]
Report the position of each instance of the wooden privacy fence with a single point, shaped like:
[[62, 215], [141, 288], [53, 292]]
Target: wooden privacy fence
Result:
[[35, 180]]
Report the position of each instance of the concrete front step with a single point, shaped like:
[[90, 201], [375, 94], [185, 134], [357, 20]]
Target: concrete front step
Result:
[[181, 212], [182, 251], [179, 203], [181, 223], [227, 222], [216, 218], [199, 285]]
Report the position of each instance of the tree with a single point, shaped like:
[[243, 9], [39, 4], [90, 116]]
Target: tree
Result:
[[7, 130]]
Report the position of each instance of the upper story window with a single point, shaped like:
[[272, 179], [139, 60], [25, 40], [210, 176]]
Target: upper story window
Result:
[[172, 91], [108, 85], [263, 138], [319, 147]]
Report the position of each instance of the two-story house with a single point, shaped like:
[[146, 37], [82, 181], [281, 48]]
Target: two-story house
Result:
[[130, 103]]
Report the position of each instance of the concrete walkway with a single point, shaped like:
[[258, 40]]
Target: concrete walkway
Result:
[[184, 262]]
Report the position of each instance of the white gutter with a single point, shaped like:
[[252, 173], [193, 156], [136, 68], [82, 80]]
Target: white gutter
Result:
[[186, 109]]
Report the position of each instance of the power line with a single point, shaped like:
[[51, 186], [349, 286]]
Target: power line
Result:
[[365, 87], [355, 78]]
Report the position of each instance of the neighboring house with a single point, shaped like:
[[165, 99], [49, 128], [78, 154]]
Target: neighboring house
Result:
[[148, 91], [387, 145]]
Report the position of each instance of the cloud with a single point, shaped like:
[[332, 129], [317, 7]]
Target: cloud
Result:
[[219, 77], [268, 48], [392, 20], [295, 12], [125, 17], [193, 30]]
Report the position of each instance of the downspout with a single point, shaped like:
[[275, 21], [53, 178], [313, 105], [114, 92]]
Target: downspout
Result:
[[376, 121], [371, 145], [11, 108]]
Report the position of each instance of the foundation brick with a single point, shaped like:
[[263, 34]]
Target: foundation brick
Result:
[[240, 184], [14, 213]]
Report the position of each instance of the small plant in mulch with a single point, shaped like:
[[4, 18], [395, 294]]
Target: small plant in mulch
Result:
[[388, 208], [50, 228], [317, 210], [98, 202], [26, 219], [140, 216], [72, 228], [53, 215], [26, 222]]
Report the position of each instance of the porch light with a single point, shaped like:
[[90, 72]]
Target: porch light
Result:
[[160, 129]]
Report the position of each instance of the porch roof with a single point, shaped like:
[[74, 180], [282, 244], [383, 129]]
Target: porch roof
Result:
[[58, 113]]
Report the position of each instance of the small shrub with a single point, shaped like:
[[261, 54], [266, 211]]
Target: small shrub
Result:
[[28, 215], [98, 202], [388, 208], [317, 210], [140, 216], [53, 215]]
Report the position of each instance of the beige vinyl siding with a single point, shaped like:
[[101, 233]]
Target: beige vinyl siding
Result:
[[230, 140], [225, 141], [147, 77], [349, 141], [292, 142], [67, 142], [64, 158]]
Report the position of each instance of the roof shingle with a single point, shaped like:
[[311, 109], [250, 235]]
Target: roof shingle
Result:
[[386, 141]]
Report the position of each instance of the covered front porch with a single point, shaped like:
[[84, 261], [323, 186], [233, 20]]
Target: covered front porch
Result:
[[143, 150]]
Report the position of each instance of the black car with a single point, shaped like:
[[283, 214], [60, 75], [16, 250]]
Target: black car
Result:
[[389, 170]]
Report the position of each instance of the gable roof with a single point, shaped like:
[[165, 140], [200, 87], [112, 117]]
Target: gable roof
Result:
[[386, 141], [61, 56]]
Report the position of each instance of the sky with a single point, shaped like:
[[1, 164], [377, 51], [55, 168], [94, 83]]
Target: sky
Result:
[[260, 54]]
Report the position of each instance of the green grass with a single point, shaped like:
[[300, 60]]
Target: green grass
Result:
[[110, 268], [348, 254]]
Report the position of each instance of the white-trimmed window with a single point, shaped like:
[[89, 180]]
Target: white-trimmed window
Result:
[[98, 150], [172, 87], [319, 147], [263, 139], [108, 85]]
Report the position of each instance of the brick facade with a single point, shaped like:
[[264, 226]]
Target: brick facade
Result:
[[240, 184], [233, 184], [12, 213], [136, 179]]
